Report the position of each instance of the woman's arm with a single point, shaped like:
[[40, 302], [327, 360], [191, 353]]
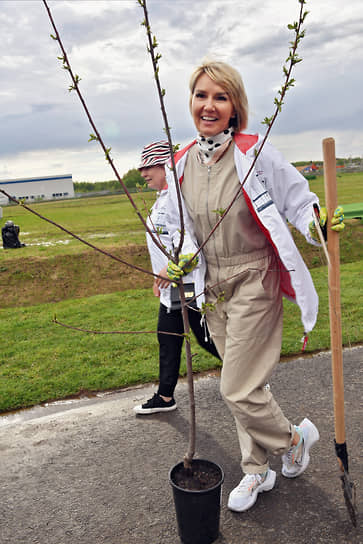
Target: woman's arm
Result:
[[289, 190]]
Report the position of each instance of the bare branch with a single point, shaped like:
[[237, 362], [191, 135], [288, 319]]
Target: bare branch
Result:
[[161, 92], [96, 135]]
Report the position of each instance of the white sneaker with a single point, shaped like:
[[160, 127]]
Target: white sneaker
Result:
[[245, 494], [297, 459]]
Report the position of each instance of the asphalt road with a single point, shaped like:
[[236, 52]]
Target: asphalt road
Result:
[[90, 471]]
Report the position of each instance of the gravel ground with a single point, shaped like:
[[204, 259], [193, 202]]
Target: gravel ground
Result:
[[90, 471]]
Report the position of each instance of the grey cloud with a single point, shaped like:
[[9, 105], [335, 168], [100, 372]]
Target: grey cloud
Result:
[[265, 49], [319, 34], [64, 128], [118, 85], [41, 108], [88, 30]]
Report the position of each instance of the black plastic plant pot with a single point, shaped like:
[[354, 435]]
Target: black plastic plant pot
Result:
[[197, 498]]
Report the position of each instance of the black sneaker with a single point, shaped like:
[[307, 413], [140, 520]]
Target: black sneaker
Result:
[[155, 404]]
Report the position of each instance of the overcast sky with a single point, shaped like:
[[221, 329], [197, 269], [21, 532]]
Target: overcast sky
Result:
[[44, 131]]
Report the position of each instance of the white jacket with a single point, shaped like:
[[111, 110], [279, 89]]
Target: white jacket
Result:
[[157, 224], [275, 193]]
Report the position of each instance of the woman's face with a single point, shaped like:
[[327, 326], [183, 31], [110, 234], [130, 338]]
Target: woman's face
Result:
[[154, 176], [211, 108]]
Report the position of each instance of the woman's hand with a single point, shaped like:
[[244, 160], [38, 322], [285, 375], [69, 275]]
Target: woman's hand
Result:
[[185, 265], [156, 290], [337, 222], [162, 283]]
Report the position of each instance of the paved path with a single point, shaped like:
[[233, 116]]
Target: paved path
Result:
[[92, 472]]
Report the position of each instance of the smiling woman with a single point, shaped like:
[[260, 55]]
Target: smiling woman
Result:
[[212, 108], [249, 262], [220, 92]]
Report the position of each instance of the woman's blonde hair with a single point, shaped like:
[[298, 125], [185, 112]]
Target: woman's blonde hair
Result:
[[228, 78]]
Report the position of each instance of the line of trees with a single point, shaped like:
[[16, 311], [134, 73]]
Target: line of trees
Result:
[[339, 161], [132, 179]]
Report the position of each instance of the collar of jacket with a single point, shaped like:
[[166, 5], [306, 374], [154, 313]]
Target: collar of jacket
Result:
[[245, 143]]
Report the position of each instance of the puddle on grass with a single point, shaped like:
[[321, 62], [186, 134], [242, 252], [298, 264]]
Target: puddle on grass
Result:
[[45, 244], [49, 244], [65, 241]]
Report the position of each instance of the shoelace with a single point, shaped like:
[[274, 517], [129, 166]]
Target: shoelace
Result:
[[294, 454], [250, 481]]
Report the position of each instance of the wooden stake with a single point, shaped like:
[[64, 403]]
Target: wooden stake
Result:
[[331, 200]]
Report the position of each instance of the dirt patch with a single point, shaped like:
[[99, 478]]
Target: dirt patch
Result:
[[202, 475], [35, 280]]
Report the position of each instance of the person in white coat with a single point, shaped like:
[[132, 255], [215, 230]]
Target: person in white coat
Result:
[[152, 168], [251, 262]]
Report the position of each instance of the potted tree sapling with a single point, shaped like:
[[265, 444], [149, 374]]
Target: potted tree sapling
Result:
[[197, 483]]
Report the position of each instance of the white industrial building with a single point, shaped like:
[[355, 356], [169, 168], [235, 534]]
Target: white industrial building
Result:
[[36, 189]]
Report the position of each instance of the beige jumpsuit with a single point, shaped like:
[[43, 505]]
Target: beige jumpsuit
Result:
[[247, 325]]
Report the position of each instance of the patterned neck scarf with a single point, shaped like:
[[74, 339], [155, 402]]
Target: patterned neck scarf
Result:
[[210, 145]]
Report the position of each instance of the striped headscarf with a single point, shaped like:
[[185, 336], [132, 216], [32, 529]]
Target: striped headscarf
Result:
[[157, 153]]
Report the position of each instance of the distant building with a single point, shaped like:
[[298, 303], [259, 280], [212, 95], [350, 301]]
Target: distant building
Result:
[[35, 189], [308, 168]]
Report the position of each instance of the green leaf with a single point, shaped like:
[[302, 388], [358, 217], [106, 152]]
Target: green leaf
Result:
[[219, 211], [107, 154], [187, 336], [207, 306], [305, 14], [267, 121]]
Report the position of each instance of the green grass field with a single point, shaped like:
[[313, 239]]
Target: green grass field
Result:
[[349, 187], [105, 221], [111, 221], [41, 361]]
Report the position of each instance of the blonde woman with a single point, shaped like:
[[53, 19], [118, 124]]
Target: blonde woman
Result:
[[251, 258]]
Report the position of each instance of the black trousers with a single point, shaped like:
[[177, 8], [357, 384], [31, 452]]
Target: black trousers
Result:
[[170, 346]]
